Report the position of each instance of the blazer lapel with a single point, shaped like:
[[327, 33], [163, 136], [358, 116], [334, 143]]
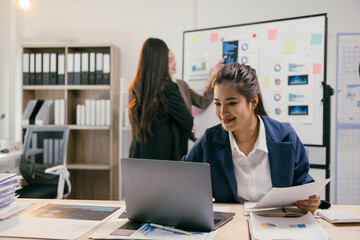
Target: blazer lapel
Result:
[[280, 154], [225, 158]]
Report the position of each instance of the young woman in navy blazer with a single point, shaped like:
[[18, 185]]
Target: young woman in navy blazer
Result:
[[249, 153]]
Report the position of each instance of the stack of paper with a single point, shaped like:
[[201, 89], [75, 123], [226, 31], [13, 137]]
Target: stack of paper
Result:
[[9, 183]]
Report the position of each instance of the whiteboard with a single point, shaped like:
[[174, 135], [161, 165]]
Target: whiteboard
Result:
[[289, 58]]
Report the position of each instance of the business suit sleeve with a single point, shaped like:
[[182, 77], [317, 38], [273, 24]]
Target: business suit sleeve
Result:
[[197, 151], [177, 109], [200, 101], [302, 164]]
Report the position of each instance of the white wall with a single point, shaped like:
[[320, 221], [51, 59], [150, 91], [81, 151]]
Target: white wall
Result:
[[127, 23]]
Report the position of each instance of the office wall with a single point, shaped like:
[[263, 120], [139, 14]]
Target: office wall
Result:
[[127, 23]]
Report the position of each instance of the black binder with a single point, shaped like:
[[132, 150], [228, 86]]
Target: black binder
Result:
[[99, 69], [61, 69], [26, 66], [38, 69], [106, 72], [77, 68], [85, 68], [46, 69], [92, 65], [53, 65], [32, 69], [70, 68]]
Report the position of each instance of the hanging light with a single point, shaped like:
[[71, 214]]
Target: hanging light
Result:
[[25, 3]]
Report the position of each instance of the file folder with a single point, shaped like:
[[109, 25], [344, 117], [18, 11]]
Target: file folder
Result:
[[92, 69], [32, 69], [27, 112], [77, 67], [97, 112], [106, 76], [38, 69], [61, 69], [107, 112], [46, 69], [70, 68], [53, 68], [35, 111], [62, 112], [99, 69], [85, 68], [87, 112], [26, 67], [46, 113]]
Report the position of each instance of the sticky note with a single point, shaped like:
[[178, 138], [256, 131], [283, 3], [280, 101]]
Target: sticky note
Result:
[[316, 39], [272, 34], [196, 38], [317, 68], [290, 47], [266, 81], [214, 37]]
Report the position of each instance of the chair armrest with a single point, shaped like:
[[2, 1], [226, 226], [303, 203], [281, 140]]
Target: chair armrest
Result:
[[64, 175]]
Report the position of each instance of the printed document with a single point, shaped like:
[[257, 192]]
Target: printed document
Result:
[[281, 197], [306, 227]]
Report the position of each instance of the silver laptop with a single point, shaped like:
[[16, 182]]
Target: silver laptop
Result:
[[171, 193]]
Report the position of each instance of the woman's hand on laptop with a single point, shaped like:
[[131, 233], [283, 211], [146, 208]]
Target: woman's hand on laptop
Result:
[[310, 204]]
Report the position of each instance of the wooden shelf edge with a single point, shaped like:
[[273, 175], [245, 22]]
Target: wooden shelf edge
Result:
[[88, 166]]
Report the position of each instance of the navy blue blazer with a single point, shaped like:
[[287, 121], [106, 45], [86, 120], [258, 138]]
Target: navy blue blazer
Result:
[[289, 164]]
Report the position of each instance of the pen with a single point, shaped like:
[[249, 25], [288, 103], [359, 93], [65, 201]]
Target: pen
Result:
[[171, 229]]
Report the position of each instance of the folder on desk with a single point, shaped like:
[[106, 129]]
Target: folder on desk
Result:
[[61, 69], [46, 69], [53, 68], [46, 113], [106, 75], [92, 66], [99, 69], [85, 68], [32, 69], [38, 69], [27, 112], [26, 66], [70, 68]]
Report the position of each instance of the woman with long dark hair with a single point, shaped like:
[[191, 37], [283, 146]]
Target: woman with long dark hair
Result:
[[156, 109], [249, 153]]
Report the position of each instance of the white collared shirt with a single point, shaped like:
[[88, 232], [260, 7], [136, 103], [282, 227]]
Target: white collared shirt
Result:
[[252, 172]]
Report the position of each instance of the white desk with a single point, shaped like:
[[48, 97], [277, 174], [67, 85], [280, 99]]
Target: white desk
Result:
[[9, 162]]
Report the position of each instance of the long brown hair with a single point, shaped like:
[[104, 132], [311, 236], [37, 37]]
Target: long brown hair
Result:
[[146, 91], [243, 78]]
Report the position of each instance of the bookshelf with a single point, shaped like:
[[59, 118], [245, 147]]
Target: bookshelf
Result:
[[93, 149]]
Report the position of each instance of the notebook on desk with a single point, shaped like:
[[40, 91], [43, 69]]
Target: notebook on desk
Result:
[[171, 193]]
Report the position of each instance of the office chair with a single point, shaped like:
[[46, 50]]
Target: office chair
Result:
[[43, 163]]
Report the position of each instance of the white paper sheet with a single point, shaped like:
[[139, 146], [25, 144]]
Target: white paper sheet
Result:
[[280, 197], [305, 227]]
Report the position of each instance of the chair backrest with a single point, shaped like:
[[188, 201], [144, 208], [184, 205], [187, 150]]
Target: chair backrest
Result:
[[44, 147]]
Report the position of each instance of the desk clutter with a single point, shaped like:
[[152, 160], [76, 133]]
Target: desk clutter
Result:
[[9, 183]]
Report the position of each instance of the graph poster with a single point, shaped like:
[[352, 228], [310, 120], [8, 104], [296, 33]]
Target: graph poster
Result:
[[289, 58]]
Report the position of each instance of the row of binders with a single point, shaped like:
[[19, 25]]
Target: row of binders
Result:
[[88, 68], [83, 68], [43, 112], [43, 69], [95, 112]]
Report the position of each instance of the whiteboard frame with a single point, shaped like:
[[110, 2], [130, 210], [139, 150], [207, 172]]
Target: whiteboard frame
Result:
[[325, 121]]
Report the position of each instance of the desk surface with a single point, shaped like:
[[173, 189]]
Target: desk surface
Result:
[[10, 155], [238, 227]]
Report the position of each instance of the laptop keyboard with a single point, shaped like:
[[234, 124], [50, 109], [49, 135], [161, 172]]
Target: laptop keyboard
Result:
[[216, 221]]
